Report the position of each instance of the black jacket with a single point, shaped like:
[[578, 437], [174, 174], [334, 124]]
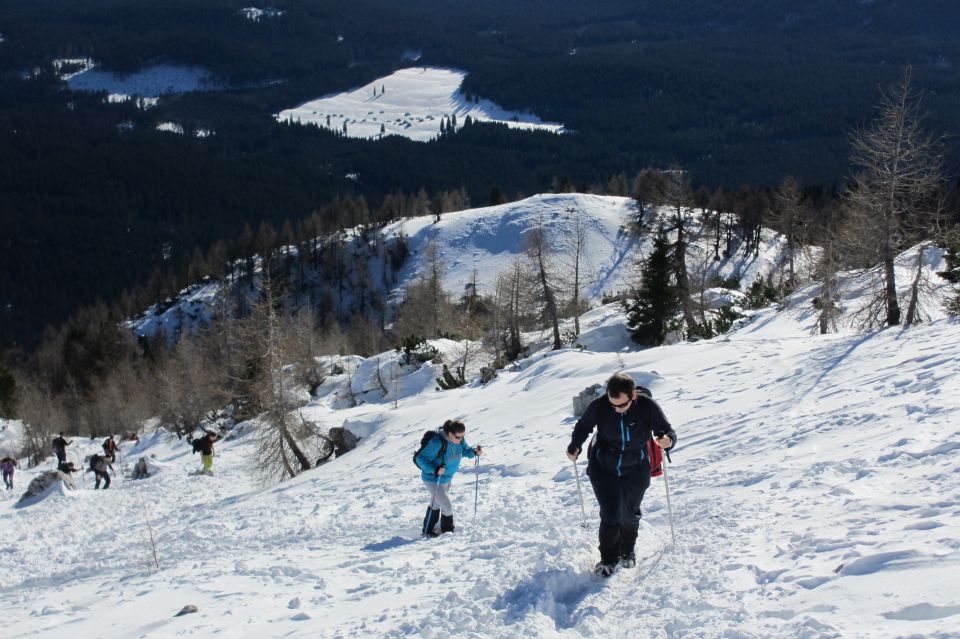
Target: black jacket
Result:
[[621, 444], [204, 445], [98, 464]]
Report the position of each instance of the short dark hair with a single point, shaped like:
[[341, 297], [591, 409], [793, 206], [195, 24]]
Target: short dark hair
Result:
[[620, 384], [453, 426]]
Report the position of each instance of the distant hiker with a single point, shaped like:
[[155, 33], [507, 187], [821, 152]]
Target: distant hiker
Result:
[[438, 461], [618, 463], [110, 449], [204, 445], [60, 448], [98, 464], [67, 467], [7, 465]]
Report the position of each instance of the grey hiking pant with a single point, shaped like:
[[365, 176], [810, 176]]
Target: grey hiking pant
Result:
[[442, 499]]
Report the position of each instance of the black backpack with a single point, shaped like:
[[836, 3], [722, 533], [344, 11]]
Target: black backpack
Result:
[[427, 436]]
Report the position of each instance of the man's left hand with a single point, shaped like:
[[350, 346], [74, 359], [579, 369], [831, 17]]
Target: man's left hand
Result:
[[665, 442]]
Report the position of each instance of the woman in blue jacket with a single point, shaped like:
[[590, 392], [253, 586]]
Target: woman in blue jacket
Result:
[[439, 461]]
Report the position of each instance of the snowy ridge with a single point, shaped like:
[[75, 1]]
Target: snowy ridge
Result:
[[816, 493], [487, 240], [410, 103]]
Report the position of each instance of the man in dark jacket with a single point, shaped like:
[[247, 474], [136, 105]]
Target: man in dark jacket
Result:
[[619, 465], [60, 448], [98, 464]]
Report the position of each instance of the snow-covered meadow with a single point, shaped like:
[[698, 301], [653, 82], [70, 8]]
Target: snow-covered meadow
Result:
[[410, 103]]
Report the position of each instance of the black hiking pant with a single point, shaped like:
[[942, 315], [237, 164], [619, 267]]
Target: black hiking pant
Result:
[[102, 474], [619, 498]]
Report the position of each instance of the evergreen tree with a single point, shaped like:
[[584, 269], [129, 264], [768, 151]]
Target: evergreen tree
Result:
[[656, 301]]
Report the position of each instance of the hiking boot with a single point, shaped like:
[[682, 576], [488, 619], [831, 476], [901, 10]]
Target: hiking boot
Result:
[[430, 522], [628, 560], [446, 523], [604, 570]]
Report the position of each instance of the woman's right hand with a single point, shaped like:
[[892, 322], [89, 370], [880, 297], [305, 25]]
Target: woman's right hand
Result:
[[440, 470]]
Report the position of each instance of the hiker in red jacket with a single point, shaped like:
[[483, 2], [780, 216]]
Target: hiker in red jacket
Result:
[[110, 449], [619, 464]]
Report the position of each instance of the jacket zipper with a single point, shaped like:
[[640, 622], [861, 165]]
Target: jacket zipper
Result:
[[623, 445]]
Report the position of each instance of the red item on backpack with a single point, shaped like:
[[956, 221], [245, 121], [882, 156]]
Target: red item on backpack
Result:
[[656, 458]]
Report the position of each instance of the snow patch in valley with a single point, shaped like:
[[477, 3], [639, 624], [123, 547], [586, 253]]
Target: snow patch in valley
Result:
[[255, 14], [151, 82], [411, 103]]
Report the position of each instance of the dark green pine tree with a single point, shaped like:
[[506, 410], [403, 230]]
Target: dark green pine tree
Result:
[[656, 302]]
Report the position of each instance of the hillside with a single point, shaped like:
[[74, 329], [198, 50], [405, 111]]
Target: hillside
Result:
[[481, 244], [815, 491]]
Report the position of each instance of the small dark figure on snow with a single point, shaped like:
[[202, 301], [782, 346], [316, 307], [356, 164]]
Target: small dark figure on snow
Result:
[[7, 466], [60, 448], [619, 464], [67, 467], [438, 462], [98, 464], [204, 445], [110, 449]]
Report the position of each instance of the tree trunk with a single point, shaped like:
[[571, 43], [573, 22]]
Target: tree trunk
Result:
[[683, 280], [890, 292], [550, 300], [912, 308], [292, 443]]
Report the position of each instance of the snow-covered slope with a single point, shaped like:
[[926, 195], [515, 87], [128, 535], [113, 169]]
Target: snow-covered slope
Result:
[[410, 103], [486, 241], [815, 491]]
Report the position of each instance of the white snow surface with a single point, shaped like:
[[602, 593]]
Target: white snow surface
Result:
[[411, 103], [815, 491]]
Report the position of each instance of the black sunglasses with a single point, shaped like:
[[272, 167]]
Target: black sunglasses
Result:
[[458, 435], [619, 405]]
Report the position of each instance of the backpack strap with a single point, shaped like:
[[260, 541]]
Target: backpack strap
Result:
[[443, 446]]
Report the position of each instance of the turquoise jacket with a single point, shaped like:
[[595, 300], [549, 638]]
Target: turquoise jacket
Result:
[[429, 459]]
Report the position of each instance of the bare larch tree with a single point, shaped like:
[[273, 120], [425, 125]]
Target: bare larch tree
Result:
[[893, 197]]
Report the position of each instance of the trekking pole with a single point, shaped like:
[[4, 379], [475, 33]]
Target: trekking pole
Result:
[[476, 489], [666, 485], [583, 512]]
